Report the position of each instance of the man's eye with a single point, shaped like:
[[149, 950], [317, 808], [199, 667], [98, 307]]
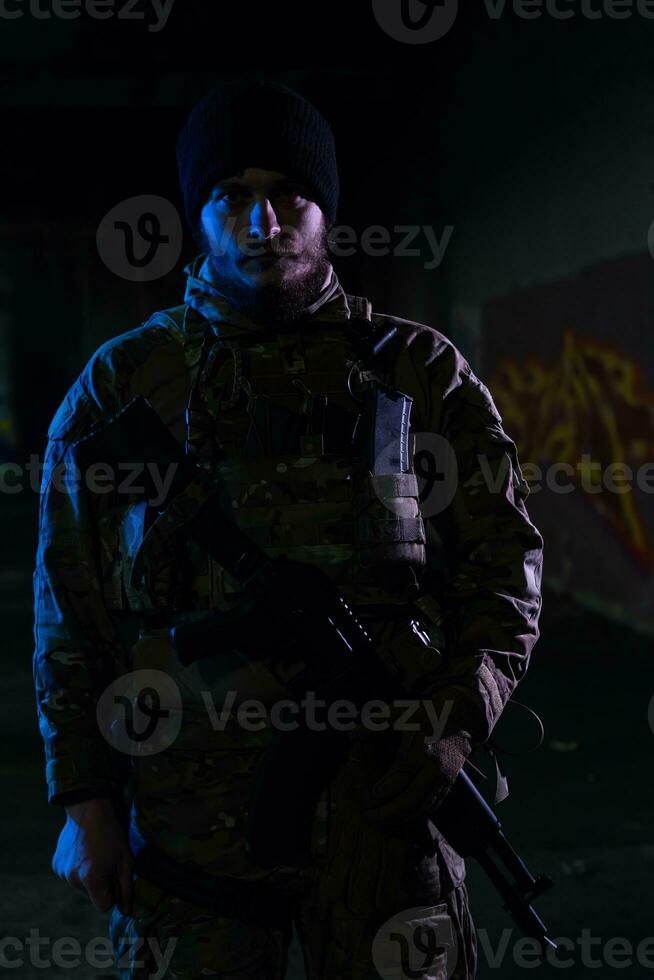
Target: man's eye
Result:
[[292, 193], [228, 197]]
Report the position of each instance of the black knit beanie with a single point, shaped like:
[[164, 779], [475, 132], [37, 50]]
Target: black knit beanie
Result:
[[256, 124]]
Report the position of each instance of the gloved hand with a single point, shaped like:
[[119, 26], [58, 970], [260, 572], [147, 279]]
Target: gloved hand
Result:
[[418, 780], [420, 775]]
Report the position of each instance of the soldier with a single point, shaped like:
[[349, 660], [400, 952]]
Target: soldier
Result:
[[259, 375]]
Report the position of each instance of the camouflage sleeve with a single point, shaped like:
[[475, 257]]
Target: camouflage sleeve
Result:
[[75, 645], [492, 594]]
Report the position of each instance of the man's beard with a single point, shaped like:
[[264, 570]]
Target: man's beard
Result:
[[276, 302]]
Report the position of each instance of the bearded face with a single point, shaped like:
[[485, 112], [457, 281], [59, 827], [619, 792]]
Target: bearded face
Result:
[[267, 244]]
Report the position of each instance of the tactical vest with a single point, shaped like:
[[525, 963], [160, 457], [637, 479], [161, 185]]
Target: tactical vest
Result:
[[290, 422]]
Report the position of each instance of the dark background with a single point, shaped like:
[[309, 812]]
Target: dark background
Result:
[[534, 140]]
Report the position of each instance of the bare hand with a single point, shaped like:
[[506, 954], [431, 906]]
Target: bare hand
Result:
[[93, 855]]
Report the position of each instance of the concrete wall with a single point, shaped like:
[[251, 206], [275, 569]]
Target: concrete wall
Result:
[[552, 242]]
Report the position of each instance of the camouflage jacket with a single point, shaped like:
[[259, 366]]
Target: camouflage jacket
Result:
[[491, 595]]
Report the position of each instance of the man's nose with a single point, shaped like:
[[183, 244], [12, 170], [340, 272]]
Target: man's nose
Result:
[[263, 220]]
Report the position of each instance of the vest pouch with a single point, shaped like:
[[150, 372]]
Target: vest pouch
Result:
[[389, 528]]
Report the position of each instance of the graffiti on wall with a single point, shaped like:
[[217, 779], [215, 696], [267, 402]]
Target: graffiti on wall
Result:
[[590, 409]]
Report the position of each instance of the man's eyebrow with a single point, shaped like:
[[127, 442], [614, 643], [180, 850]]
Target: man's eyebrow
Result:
[[235, 183], [289, 182], [231, 183]]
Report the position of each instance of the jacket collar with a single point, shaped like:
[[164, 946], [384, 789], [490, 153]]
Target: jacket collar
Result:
[[204, 296]]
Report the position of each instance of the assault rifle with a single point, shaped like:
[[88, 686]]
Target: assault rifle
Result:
[[295, 608]]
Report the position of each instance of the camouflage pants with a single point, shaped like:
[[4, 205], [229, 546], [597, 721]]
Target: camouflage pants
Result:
[[166, 937]]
